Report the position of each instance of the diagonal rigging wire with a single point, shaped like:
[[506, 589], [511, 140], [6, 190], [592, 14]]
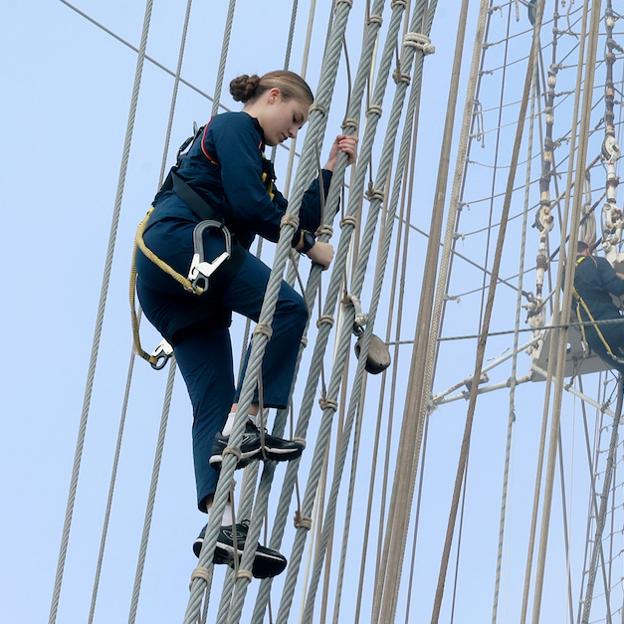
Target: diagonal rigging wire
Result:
[[153, 61], [164, 418], [402, 492], [400, 504], [559, 342], [495, 168], [512, 390], [486, 319], [465, 146], [100, 316], [126, 397]]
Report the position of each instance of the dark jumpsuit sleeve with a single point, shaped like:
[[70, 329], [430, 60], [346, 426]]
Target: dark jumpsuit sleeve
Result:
[[612, 283], [310, 213], [238, 152]]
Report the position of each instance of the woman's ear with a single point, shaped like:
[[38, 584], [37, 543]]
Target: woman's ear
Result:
[[274, 95]]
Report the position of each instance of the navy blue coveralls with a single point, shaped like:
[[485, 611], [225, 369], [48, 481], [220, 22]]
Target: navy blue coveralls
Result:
[[225, 166], [594, 281]]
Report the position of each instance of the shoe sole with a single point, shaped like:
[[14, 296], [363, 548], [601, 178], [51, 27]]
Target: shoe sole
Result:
[[273, 454], [224, 554], [245, 458]]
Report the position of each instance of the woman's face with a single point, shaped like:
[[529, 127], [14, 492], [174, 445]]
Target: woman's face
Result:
[[281, 118]]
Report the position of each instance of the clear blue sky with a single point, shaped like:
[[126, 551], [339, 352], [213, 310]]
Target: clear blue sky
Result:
[[66, 91]]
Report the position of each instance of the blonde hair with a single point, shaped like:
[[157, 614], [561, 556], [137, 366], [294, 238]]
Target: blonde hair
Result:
[[249, 88]]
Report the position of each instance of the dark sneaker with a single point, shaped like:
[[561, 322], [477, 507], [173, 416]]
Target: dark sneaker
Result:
[[256, 445], [267, 562], [250, 447]]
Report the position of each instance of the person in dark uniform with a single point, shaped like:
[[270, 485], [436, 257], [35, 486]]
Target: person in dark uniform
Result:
[[225, 175], [595, 281]]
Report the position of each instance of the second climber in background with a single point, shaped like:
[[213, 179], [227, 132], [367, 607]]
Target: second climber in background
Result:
[[225, 183], [595, 281]]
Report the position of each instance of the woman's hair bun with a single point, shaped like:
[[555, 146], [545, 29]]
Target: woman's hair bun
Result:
[[243, 88]]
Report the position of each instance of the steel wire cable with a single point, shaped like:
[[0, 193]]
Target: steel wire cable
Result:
[[250, 476], [313, 284], [343, 338], [333, 292], [317, 122], [385, 599], [82, 429], [408, 193], [512, 390], [557, 351], [486, 319], [122, 420]]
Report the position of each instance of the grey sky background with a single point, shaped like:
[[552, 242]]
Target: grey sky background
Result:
[[66, 90]]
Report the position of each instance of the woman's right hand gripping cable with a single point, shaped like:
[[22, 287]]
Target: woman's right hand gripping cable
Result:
[[322, 254]]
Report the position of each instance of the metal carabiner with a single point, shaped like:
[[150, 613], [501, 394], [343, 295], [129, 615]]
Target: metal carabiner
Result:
[[160, 355], [201, 270]]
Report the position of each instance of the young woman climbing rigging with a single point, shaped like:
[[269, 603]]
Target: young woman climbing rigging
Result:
[[225, 183]]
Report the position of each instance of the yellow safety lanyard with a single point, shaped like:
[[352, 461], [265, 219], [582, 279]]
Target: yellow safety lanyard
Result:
[[139, 243]]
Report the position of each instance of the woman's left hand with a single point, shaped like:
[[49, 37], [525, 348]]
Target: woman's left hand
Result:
[[345, 144]]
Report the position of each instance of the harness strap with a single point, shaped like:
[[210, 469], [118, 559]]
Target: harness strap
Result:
[[139, 243], [199, 206]]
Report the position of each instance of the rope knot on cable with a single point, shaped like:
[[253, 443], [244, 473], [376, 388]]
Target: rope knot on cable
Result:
[[200, 572], [350, 123], [325, 319], [325, 230], [304, 341], [419, 41], [397, 76], [326, 403], [299, 440], [289, 219], [348, 220], [317, 107], [264, 330], [398, 3], [244, 574], [302, 522], [375, 19], [374, 109], [233, 450], [374, 193]]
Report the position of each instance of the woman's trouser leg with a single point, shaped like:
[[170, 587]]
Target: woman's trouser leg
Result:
[[245, 295], [204, 357]]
